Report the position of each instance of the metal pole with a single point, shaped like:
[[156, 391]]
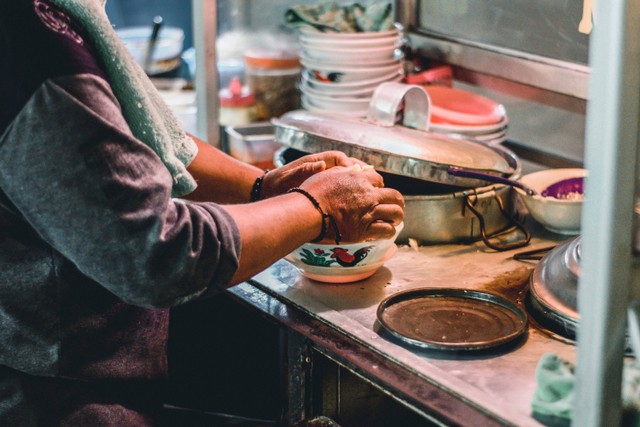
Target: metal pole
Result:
[[607, 221], [205, 32]]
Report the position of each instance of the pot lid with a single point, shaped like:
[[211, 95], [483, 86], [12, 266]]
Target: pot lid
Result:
[[553, 288], [407, 149]]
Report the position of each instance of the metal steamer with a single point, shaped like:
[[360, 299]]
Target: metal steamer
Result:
[[440, 207]]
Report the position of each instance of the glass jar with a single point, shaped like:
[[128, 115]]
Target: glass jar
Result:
[[274, 78]]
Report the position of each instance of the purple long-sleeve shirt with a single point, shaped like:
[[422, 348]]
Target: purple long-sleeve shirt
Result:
[[93, 249]]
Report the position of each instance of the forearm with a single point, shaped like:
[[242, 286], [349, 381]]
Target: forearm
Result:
[[271, 229], [227, 181]]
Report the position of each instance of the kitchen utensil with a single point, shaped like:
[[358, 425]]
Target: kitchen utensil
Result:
[[451, 319], [155, 30], [490, 178], [440, 207], [437, 213], [560, 190], [553, 288], [395, 149], [166, 55]]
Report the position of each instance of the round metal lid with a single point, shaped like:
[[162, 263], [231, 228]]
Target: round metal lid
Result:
[[554, 288], [451, 319], [396, 149]]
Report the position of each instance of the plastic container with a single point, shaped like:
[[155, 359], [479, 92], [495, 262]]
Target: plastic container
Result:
[[237, 104], [274, 78]]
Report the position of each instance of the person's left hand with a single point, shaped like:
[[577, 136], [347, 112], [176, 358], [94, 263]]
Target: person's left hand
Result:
[[279, 181]]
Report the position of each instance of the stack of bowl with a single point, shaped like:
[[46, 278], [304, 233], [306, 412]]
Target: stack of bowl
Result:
[[341, 70], [460, 113]]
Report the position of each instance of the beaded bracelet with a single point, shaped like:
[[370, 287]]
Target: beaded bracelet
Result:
[[257, 187], [325, 216]]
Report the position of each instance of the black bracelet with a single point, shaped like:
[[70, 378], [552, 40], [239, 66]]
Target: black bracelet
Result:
[[257, 187], [323, 229]]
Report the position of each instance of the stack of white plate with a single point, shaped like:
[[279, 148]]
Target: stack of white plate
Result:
[[460, 113], [341, 70]]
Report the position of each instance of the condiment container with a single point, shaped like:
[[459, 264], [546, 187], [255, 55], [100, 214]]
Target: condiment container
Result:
[[274, 77], [237, 104]]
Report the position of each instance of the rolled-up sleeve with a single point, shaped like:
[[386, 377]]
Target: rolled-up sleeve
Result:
[[102, 199]]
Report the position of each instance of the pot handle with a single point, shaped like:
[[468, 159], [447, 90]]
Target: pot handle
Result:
[[387, 105], [526, 235]]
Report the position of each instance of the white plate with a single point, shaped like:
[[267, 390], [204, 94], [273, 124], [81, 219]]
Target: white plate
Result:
[[470, 130]]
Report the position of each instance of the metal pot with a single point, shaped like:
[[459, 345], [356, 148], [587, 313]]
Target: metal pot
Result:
[[439, 213], [440, 206]]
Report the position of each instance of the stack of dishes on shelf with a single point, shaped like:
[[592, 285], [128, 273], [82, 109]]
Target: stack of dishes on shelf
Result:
[[341, 70], [464, 114]]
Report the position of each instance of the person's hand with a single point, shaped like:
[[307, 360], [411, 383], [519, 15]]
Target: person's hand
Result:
[[356, 198], [279, 181]]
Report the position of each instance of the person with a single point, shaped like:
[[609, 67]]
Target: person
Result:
[[94, 245]]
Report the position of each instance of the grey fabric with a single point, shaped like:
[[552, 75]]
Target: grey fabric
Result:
[[90, 234]]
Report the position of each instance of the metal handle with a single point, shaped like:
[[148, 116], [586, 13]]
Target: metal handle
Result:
[[390, 100], [515, 224]]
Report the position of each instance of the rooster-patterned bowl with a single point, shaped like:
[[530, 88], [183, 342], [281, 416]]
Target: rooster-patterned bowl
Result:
[[343, 263]]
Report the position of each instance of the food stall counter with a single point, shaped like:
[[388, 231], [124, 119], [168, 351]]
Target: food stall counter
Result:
[[490, 386]]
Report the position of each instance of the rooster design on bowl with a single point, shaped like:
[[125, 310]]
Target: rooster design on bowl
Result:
[[341, 256]]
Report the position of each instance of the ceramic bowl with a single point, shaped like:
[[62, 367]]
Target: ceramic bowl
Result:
[[310, 33], [561, 216], [337, 104], [343, 74], [350, 55], [348, 43], [343, 263], [339, 88], [314, 63], [305, 88]]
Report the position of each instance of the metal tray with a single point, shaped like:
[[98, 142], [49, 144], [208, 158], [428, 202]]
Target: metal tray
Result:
[[451, 319]]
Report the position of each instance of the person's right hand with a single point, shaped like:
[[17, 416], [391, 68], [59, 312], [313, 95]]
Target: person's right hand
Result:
[[362, 208]]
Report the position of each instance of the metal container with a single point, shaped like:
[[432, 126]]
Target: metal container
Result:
[[440, 207], [437, 213]]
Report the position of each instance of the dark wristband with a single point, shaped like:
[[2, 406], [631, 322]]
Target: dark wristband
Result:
[[256, 190], [325, 217]]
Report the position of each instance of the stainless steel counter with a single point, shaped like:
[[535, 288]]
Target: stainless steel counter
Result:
[[498, 385]]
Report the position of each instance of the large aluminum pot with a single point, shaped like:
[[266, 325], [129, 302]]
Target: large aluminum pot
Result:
[[439, 213]]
